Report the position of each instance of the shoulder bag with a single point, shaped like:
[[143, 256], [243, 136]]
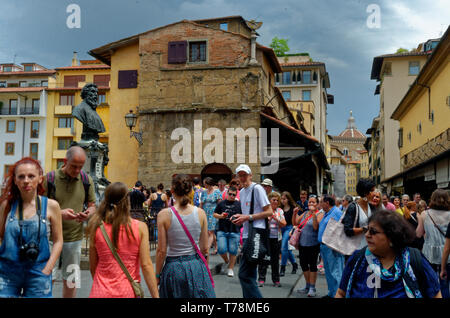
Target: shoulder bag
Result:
[[137, 288], [295, 237], [256, 249], [193, 243], [440, 231], [335, 238]]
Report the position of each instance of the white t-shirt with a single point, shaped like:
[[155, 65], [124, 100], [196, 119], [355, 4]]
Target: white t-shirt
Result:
[[260, 201]]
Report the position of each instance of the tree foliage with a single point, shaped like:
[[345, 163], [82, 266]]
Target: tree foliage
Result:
[[402, 50], [280, 46]]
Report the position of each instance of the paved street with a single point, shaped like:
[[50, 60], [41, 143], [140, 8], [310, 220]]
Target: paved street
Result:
[[225, 287]]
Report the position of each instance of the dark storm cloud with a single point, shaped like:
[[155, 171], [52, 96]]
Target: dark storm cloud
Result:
[[333, 32]]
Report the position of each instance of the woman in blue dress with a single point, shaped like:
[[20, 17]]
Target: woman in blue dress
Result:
[[208, 202]]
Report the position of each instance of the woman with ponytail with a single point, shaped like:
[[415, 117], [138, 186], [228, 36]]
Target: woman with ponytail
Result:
[[27, 221], [130, 239], [181, 269]]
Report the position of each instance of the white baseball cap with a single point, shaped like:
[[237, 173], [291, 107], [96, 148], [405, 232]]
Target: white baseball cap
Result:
[[244, 168], [267, 182]]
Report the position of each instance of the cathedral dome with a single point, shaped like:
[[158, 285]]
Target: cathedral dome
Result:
[[351, 131]]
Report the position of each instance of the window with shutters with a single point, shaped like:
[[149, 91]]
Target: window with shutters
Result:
[[400, 137], [197, 51], [102, 80], [128, 79], [177, 52], [73, 80], [66, 99]]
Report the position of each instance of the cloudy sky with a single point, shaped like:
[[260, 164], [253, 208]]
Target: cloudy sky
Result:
[[333, 32]]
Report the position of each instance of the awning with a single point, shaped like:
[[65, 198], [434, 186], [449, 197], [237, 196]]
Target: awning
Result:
[[313, 147]]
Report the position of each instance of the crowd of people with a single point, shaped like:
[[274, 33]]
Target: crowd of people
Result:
[[401, 246]]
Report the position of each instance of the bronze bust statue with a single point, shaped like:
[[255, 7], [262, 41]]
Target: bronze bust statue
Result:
[[86, 113]]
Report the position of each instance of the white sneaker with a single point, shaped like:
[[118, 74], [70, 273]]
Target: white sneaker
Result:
[[303, 290], [312, 292], [230, 273]]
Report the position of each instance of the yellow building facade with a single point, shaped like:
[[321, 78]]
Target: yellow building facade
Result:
[[424, 136], [364, 172], [123, 151], [64, 93], [352, 172]]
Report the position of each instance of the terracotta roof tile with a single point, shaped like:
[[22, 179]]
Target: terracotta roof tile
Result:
[[84, 67], [303, 64], [352, 133]]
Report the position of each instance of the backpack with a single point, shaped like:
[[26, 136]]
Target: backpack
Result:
[[416, 265], [197, 194], [51, 188]]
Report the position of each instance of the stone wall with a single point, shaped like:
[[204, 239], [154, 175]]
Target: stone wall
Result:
[[223, 93], [156, 162]]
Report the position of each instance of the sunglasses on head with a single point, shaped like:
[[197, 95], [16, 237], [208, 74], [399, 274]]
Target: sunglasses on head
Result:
[[313, 196], [371, 230]]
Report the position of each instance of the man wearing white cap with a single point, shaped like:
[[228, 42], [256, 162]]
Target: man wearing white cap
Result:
[[267, 185], [261, 211]]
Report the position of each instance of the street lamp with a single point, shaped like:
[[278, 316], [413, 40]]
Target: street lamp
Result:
[[130, 121]]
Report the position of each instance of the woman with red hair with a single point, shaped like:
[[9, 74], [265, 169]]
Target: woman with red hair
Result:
[[26, 221]]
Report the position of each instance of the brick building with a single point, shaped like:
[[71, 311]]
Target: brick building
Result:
[[197, 81]]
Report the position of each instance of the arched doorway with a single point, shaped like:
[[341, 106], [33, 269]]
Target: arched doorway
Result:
[[217, 171]]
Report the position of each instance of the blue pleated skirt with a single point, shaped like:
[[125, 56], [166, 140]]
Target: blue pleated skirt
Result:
[[185, 277]]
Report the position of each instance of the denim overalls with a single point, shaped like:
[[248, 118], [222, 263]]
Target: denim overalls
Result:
[[25, 278]]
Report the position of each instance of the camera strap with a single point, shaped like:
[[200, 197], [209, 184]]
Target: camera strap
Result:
[[38, 212]]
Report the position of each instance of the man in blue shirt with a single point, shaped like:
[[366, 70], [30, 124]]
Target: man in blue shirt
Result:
[[333, 262], [303, 202]]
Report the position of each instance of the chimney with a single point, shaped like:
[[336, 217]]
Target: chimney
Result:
[[74, 59]]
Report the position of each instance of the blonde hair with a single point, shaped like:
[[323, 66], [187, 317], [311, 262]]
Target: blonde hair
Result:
[[277, 195], [422, 206]]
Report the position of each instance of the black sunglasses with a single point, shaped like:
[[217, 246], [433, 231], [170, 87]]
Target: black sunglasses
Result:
[[232, 194], [371, 230]]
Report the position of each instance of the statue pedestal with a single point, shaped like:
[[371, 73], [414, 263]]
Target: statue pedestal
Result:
[[97, 159]]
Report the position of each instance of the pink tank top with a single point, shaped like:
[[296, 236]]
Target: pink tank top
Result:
[[109, 279]]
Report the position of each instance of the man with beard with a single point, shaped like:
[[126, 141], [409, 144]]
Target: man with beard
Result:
[[86, 113]]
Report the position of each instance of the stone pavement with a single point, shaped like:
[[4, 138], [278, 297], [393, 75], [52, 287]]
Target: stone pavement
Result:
[[225, 287]]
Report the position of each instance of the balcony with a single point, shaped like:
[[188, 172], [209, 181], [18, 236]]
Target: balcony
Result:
[[8, 111], [59, 154], [63, 109], [29, 111], [64, 132]]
